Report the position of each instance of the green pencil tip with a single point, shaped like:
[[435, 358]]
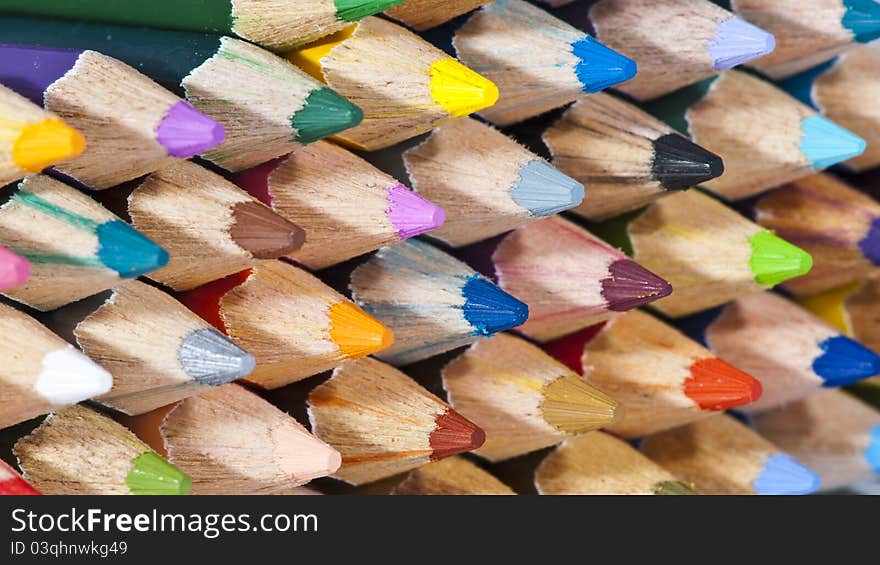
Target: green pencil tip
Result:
[[150, 474], [775, 260], [325, 113], [355, 10], [672, 487]]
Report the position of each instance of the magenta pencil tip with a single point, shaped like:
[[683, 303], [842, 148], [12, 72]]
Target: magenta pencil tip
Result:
[[630, 285], [410, 214], [14, 269], [185, 132]]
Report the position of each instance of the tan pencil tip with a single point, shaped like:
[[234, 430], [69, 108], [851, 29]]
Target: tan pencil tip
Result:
[[355, 332], [454, 434], [573, 406], [262, 232]]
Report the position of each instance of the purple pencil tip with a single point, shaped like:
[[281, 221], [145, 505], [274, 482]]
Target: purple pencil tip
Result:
[[870, 244], [410, 214], [185, 132], [630, 285], [739, 42]]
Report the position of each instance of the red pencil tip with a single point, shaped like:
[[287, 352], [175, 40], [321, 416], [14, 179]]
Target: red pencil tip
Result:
[[454, 434], [11, 483], [569, 350], [717, 385], [205, 300]]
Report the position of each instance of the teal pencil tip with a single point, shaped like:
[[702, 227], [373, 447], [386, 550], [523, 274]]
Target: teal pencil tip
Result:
[[862, 19], [127, 251], [325, 113], [599, 67], [825, 143]]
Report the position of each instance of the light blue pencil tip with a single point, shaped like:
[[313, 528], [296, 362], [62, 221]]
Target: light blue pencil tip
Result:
[[489, 309], [599, 67], [783, 475], [543, 190], [872, 454], [825, 143], [127, 251]]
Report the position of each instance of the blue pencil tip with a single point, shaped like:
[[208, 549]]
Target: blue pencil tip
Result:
[[599, 67], [825, 143], [543, 190], [844, 361], [862, 18], [489, 309], [783, 475], [872, 453], [127, 251]]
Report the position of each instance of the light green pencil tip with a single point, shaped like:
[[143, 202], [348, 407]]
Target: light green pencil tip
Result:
[[150, 474], [354, 10], [672, 487], [775, 260]]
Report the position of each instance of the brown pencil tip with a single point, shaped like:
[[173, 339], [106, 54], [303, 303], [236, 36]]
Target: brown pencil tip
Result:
[[454, 434], [630, 285], [262, 232]]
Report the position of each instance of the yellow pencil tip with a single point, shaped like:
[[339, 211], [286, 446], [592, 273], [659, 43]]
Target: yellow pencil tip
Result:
[[356, 333], [459, 90], [45, 143], [308, 58]]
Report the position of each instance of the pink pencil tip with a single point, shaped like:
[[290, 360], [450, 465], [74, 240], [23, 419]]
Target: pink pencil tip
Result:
[[410, 214], [14, 269]]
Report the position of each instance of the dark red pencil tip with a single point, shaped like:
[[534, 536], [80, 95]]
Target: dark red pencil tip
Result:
[[630, 285], [454, 434]]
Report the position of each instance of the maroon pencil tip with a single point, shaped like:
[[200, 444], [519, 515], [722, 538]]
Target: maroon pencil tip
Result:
[[454, 434], [630, 285]]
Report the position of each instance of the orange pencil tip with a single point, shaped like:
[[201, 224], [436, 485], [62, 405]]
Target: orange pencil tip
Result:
[[717, 385], [356, 333]]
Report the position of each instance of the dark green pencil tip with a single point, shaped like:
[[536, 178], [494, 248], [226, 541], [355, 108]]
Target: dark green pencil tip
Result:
[[325, 113], [150, 474], [354, 10]]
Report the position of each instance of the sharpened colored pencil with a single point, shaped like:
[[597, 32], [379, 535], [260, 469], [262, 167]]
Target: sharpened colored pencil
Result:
[[487, 183], [852, 310], [661, 378], [791, 352], [267, 106], [275, 24], [598, 463], [522, 398], [210, 227], [346, 206], [156, 349], [845, 90], [31, 139], [79, 451], [674, 43], [383, 423], [431, 301], [403, 84], [292, 323], [450, 476], [14, 269], [720, 114], [709, 253], [425, 14], [569, 278], [625, 157], [809, 32], [231, 441], [41, 372], [719, 455], [11, 483], [560, 63], [836, 224], [125, 117], [835, 434], [75, 246]]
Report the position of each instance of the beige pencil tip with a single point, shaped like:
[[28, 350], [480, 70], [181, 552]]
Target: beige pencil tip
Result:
[[573, 406], [301, 455]]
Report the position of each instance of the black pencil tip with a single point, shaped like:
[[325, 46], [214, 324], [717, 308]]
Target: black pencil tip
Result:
[[680, 163]]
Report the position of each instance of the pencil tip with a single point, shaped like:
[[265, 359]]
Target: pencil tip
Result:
[[67, 376], [459, 90], [490, 310], [302, 455], [185, 132], [599, 67], [45, 143], [128, 252], [152, 475], [782, 474], [262, 232], [211, 359], [825, 143], [14, 269], [862, 18], [672, 488], [355, 10], [543, 190], [680, 164], [572, 406], [872, 453], [356, 333], [410, 214], [717, 385], [775, 260], [870, 244], [844, 361], [454, 434], [738, 42], [324, 113], [630, 285]]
